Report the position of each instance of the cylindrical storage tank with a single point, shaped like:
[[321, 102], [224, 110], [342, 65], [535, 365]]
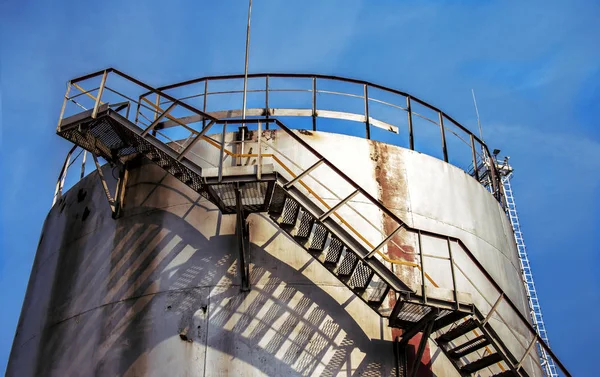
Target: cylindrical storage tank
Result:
[[156, 292]]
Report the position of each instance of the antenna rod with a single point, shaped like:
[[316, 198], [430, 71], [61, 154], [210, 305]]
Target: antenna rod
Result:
[[246, 63], [477, 112]]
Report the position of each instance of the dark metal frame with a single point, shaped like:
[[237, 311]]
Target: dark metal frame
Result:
[[475, 142]]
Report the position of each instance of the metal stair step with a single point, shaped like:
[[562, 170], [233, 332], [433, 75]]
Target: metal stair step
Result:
[[462, 329], [361, 277], [277, 201], [507, 373], [305, 226], [289, 215], [347, 265], [449, 319], [318, 238], [333, 252], [469, 347], [380, 293], [484, 362]]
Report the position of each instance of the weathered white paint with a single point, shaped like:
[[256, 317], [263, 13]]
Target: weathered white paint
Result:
[[157, 293]]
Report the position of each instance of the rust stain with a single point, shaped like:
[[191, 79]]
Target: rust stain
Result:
[[392, 193]]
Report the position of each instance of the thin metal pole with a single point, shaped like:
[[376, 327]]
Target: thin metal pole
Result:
[[455, 293], [411, 139], [204, 105], [100, 91], [246, 62], [314, 103], [259, 167], [423, 289], [366, 90], [83, 164], [64, 106], [444, 146], [267, 101], [475, 167], [477, 112]]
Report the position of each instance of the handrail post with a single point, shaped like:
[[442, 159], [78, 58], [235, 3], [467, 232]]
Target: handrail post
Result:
[[267, 101], [100, 91], [205, 101], [367, 124], [453, 273], [259, 137], [527, 351], [423, 289], [64, 106], [411, 139], [314, 103], [222, 152], [489, 316], [444, 146], [475, 167]]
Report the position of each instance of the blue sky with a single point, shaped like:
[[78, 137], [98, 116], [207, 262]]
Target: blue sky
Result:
[[534, 66]]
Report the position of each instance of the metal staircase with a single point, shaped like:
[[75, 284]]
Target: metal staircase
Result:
[[313, 224]]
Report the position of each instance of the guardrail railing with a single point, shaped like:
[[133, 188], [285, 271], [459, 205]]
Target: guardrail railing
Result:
[[316, 177]]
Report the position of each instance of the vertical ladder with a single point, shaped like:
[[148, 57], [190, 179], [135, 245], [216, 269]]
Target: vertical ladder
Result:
[[534, 304]]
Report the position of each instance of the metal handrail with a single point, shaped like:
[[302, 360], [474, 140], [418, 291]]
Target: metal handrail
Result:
[[474, 139], [341, 174]]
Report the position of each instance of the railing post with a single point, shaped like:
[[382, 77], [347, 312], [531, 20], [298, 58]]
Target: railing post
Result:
[[100, 91], [411, 139], [259, 167], [453, 273], [205, 100], [314, 103], [494, 308], [222, 152], [367, 124], [157, 104], [267, 101], [475, 167], [527, 352], [64, 106], [444, 146], [423, 289]]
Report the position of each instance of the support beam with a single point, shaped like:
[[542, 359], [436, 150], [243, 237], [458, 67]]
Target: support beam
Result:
[[243, 239], [111, 201], [120, 191], [424, 337]]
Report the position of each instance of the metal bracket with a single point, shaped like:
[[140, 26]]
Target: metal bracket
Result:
[[243, 239]]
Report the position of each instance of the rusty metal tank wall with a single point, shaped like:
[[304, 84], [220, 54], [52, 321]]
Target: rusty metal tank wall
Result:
[[157, 292]]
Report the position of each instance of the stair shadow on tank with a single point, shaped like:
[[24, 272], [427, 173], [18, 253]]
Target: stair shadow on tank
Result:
[[123, 306]]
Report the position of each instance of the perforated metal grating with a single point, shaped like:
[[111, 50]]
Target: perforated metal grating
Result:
[[412, 312], [334, 251], [319, 237], [290, 212], [348, 263], [361, 276], [306, 225]]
